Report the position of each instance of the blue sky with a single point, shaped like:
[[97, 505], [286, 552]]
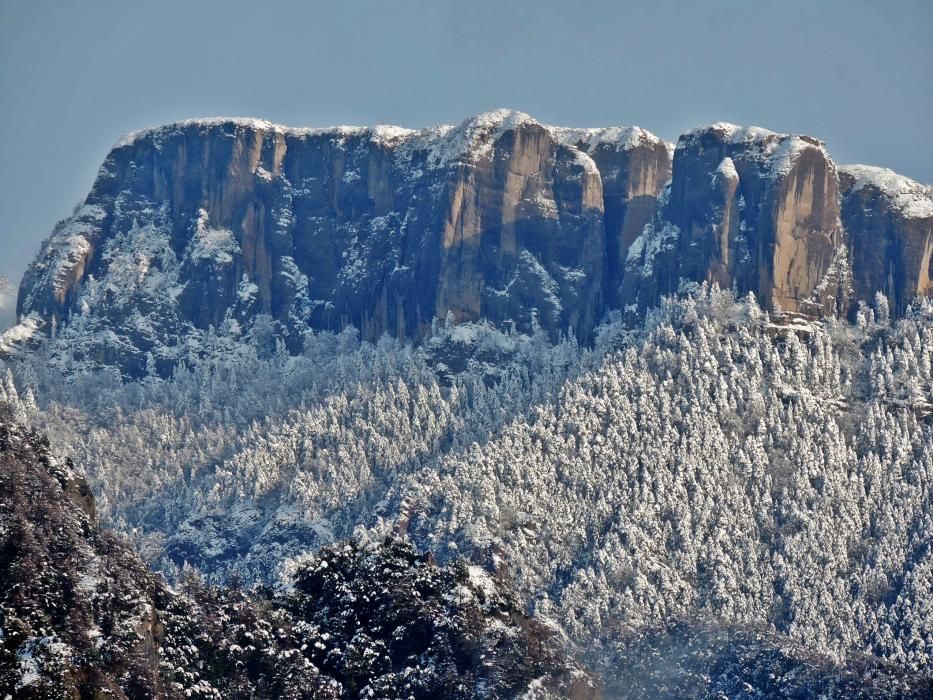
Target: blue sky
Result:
[[74, 76]]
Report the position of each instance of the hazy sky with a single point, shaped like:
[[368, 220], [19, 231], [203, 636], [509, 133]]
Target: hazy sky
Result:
[[74, 76]]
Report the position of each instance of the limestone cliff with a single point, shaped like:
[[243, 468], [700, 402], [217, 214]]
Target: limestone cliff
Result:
[[634, 166], [890, 222], [211, 222], [247, 227], [747, 208]]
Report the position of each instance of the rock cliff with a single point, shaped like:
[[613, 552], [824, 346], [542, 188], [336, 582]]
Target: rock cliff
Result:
[[218, 223], [211, 222], [890, 220], [751, 209]]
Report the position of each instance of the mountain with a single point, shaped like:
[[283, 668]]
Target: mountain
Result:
[[666, 410], [773, 214], [750, 208], [207, 223], [217, 223], [889, 218], [82, 616]]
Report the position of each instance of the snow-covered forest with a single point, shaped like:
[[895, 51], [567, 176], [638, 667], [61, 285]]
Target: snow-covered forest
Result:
[[716, 464]]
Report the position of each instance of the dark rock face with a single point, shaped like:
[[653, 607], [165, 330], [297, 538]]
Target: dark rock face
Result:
[[210, 222], [890, 224], [751, 209], [634, 167]]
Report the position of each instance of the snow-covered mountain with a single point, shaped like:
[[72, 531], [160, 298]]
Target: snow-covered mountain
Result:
[[214, 223], [674, 403]]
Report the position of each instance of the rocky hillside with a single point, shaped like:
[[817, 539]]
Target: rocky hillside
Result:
[[215, 223], [890, 221], [82, 616], [772, 214]]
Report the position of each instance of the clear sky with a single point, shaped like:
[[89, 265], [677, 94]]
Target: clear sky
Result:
[[74, 76]]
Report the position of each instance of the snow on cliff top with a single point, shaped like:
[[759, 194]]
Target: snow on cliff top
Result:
[[781, 151], [726, 169], [733, 133], [621, 138], [473, 137], [380, 132], [912, 198]]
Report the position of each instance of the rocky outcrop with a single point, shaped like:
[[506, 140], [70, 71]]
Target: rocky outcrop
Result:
[[212, 222], [751, 209], [890, 223], [634, 166]]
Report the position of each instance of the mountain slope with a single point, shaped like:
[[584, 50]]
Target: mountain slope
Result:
[[212, 222], [81, 616], [703, 467], [689, 424]]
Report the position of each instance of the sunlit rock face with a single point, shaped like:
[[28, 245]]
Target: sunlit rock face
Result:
[[750, 209], [211, 222]]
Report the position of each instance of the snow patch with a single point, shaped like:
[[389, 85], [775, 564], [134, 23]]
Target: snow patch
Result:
[[246, 291], [652, 242], [381, 134], [470, 141], [19, 334], [618, 138], [548, 285], [215, 244], [481, 581], [733, 133], [781, 151], [585, 162], [787, 154], [726, 170], [474, 138]]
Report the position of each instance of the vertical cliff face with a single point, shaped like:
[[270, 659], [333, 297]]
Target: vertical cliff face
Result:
[[217, 223], [890, 222], [521, 231], [746, 208], [211, 223], [634, 166], [803, 232]]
